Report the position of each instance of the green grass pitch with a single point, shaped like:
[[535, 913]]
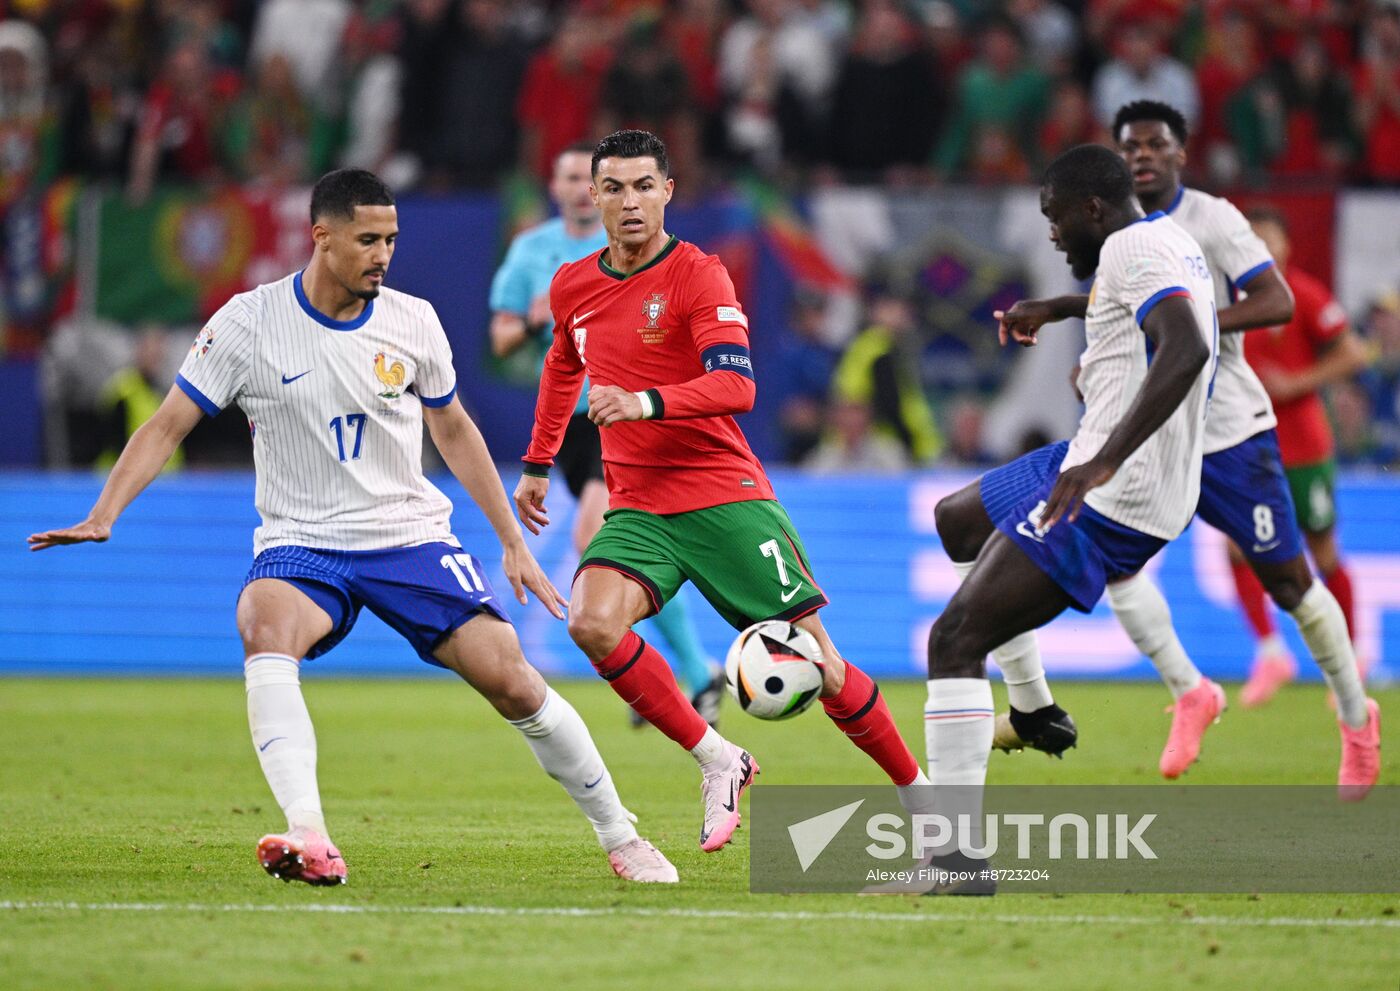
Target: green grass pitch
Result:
[[129, 810]]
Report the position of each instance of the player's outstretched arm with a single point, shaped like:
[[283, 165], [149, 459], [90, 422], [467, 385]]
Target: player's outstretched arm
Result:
[[1022, 322], [1268, 303], [1181, 353], [464, 451], [141, 460]]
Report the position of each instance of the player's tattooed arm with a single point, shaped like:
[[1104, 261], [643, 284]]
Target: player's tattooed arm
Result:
[[142, 459], [1022, 322], [1268, 302], [1181, 353]]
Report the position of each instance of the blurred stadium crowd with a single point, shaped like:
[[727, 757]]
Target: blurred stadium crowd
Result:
[[450, 93], [445, 95]]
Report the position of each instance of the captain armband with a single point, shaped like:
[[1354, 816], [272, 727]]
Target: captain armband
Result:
[[728, 358]]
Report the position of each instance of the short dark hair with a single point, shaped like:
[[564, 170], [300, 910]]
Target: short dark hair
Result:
[[632, 144], [576, 148], [1151, 110], [1267, 213], [337, 193], [1090, 170]]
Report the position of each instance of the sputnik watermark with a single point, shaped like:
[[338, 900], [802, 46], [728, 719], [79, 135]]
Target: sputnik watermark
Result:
[[1052, 839], [1110, 837]]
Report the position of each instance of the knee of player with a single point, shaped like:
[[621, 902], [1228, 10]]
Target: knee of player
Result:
[[954, 528], [950, 654], [1288, 588], [595, 628], [262, 633], [520, 694]]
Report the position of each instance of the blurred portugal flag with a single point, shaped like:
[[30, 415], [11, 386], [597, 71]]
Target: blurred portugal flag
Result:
[[179, 255]]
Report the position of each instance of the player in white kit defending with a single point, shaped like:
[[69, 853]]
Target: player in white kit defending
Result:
[[337, 375], [1049, 530], [1244, 491]]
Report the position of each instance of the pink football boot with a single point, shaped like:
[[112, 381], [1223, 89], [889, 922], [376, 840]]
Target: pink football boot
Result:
[[721, 790], [301, 855], [1191, 717], [1361, 756]]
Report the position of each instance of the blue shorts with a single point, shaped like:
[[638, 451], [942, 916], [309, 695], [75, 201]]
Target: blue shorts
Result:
[[1081, 557], [1245, 495], [423, 592]]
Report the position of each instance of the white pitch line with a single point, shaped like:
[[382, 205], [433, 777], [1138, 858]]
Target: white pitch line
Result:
[[563, 911]]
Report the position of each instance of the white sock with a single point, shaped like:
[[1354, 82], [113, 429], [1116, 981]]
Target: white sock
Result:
[[566, 751], [958, 725], [917, 795], [1145, 616], [1324, 629], [1019, 660], [284, 738], [710, 749]]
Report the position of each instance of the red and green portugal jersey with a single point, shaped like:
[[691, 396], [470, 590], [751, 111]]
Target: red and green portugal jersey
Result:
[[674, 330], [1304, 435]]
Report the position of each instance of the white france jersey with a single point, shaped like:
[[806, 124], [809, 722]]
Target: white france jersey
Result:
[[1156, 489], [336, 410], [1239, 406]]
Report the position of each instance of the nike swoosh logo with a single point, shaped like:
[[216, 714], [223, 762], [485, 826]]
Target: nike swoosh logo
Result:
[[289, 381], [787, 597], [1265, 548], [582, 317], [1026, 531], [729, 805], [590, 784], [270, 743]]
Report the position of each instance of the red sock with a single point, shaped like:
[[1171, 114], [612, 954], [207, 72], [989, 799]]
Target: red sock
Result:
[[1252, 601], [860, 711], [642, 678], [1339, 584]]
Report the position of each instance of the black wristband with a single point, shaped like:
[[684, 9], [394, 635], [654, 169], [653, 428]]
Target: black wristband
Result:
[[535, 470], [658, 407]]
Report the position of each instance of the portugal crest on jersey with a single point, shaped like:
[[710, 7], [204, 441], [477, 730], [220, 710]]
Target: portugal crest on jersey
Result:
[[653, 308], [390, 373]]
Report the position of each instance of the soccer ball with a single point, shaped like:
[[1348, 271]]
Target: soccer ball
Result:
[[774, 669]]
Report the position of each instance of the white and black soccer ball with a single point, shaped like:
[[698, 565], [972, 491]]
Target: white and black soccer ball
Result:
[[774, 669]]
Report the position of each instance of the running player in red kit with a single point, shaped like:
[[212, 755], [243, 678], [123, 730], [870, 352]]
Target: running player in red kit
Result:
[[655, 325]]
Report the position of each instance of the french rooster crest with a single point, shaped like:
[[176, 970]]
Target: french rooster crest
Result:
[[392, 375]]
